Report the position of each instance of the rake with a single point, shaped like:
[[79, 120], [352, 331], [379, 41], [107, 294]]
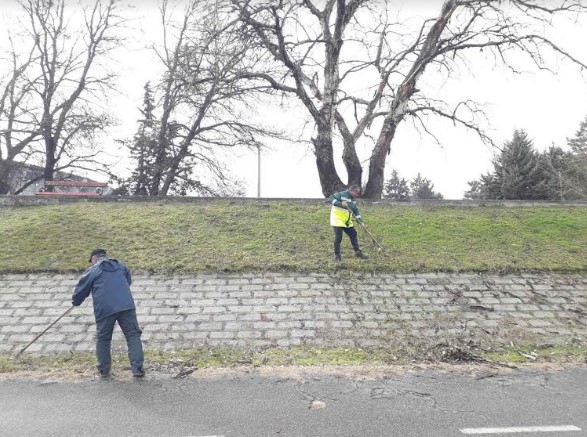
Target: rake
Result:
[[380, 247], [17, 356]]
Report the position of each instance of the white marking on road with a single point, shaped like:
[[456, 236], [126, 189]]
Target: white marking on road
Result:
[[519, 429]]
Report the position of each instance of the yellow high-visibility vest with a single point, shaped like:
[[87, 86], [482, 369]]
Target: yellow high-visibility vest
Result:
[[340, 217]]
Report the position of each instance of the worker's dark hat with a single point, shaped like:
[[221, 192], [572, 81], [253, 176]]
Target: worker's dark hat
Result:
[[101, 252]]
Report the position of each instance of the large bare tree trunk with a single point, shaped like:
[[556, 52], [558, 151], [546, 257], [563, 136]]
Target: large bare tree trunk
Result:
[[374, 186], [350, 158], [50, 147], [353, 165], [50, 161], [329, 179], [4, 178]]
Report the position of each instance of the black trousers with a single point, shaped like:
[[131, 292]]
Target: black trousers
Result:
[[351, 232]]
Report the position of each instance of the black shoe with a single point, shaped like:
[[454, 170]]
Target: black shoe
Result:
[[140, 374], [361, 255], [338, 259], [104, 373]]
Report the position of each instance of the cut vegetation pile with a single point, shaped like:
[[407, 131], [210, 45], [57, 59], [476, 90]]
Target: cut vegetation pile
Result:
[[224, 235]]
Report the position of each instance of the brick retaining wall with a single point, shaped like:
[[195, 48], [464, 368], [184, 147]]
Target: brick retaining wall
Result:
[[322, 310]]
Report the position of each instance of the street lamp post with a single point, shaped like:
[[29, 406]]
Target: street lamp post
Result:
[[258, 170]]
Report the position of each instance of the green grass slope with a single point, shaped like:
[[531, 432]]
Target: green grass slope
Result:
[[226, 235]]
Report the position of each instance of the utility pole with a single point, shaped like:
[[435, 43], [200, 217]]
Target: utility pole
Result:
[[258, 170]]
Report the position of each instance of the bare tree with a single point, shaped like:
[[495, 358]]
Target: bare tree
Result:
[[18, 129], [203, 101], [71, 83], [356, 69]]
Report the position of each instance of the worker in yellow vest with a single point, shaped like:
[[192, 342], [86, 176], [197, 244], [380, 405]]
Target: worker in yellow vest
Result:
[[344, 207]]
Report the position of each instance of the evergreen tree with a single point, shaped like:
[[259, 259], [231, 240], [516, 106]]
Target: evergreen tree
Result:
[[517, 169], [516, 173], [577, 167], [475, 190], [396, 188], [143, 146], [422, 188], [522, 173], [142, 149], [554, 166], [579, 143], [485, 188]]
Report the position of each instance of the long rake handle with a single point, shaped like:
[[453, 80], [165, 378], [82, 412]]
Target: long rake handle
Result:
[[367, 230], [372, 237], [46, 329]]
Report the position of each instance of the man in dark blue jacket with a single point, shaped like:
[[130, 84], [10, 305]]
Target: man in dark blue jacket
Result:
[[109, 282]]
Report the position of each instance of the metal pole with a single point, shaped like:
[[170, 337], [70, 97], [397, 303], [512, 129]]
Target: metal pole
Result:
[[258, 171]]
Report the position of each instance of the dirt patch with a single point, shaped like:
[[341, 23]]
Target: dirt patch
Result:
[[296, 372]]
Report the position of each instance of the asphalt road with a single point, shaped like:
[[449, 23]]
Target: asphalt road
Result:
[[428, 403]]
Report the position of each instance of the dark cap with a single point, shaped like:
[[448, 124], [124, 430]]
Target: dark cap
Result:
[[101, 252]]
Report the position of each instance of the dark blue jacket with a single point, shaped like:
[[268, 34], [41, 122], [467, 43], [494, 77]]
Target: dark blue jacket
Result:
[[109, 282]]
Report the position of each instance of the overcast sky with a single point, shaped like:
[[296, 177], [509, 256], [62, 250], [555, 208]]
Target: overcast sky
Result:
[[549, 107]]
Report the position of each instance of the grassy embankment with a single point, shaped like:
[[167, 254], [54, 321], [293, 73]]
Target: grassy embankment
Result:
[[272, 236], [279, 236]]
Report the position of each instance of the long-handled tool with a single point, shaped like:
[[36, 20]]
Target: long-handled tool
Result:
[[17, 356], [380, 247]]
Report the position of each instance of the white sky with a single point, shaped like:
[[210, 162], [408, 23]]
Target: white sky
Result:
[[548, 107]]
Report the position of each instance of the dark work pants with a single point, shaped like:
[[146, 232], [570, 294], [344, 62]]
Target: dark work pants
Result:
[[351, 232], [127, 320]]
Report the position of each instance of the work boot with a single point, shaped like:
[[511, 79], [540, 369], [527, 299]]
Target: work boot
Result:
[[104, 373], [338, 259], [361, 255], [139, 374]]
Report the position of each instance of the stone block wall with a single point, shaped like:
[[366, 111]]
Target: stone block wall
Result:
[[292, 309]]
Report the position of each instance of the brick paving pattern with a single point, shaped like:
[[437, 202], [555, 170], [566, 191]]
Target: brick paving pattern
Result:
[[292, 309]]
